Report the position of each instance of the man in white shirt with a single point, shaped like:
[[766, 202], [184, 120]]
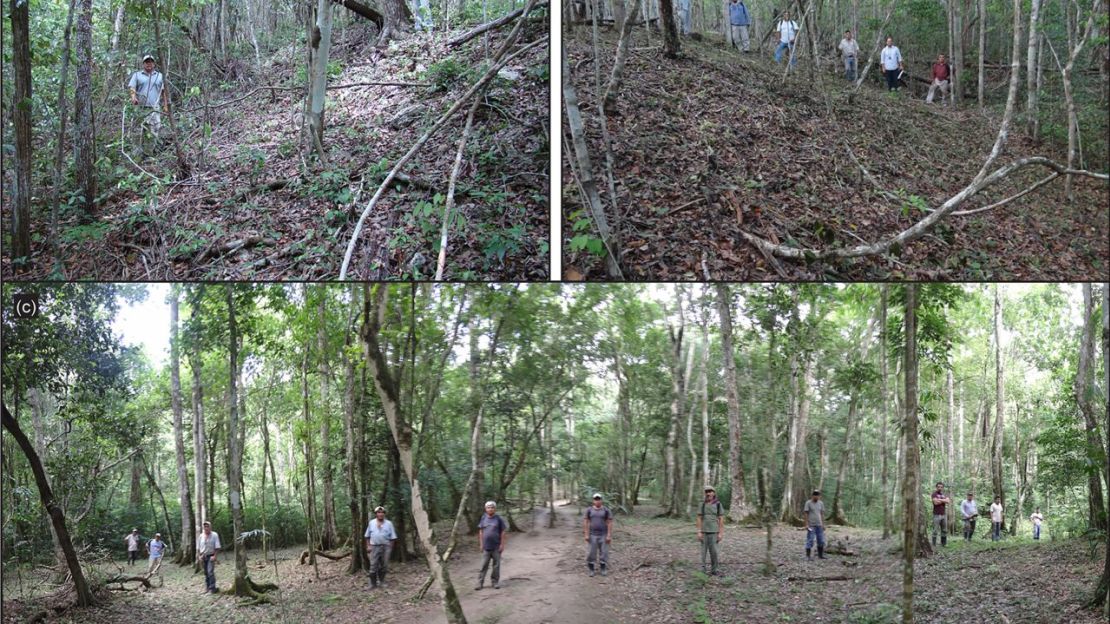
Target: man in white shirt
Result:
[[380, 538], [132, 541], [891, 58], [850, 50], [996, 519], [1037, 519], [147, 90], [208, 546], [788, 33], [969, 511]]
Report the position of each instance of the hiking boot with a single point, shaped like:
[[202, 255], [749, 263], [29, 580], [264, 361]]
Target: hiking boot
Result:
[[820, 552], [591, 572], [381, 579], [604, 572], [479, 586], [496, 585], [809, 555]]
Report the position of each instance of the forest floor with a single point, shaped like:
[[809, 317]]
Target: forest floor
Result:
[[718, 141], [655, 578], [223, 223]]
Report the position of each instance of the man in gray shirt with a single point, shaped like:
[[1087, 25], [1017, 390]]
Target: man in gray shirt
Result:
[[147, 90], [597, 524], [814, 514], [711, 527]]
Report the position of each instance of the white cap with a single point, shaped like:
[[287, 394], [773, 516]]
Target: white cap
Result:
[[598, 495], [491, 504]]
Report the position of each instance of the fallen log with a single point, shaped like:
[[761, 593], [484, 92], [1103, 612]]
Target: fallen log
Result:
[[497, 23], [231, 247], [121, 579], [320, 553], [257, 188], [812, 579], [363, 10]]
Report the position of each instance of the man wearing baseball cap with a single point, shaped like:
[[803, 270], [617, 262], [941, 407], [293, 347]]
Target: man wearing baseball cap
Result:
[[147, 90], [154, 549], [380, 538], [711, 527], [814, 514], [597, 528], [132, 540]]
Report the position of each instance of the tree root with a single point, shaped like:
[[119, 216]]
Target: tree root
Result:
[[320, 553]]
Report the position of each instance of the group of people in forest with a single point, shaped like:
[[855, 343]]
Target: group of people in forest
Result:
[[890, 58], [969, 512]]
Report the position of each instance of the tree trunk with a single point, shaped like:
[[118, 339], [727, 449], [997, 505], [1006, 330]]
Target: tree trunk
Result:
[[983, 51], [117, 26], [1085, 393], [359, 560], [798, 466], [678, 396], [909, 482], [616, 76], [670, 32], [884, 415], [1031, 63], [85, 147], [309, 463], [837, 514], [738, 509], [63, 117], [184, 555], [321, 49], [21, 120], [135, 497], [395, 20], [200, 445], [1102, 592], [182, 162], [328, 539], [234, 451], [389, 393], [999, 401], [957, 52], [477, 468], [57, 515]]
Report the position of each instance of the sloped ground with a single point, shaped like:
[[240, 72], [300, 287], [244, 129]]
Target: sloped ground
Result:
[[301, 230], [689, 131]]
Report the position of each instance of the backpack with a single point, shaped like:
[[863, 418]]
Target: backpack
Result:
[[608, 514], [720, 508]]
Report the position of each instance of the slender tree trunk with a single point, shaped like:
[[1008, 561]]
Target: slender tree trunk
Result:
[[999, 401], [63, 117], [254, 39], [310, 465], [1102, 592], [359, 559], [188, 520], [670, 32], [235, 451], [616, 76], [884, 415], [182, 162], [837, 515], [21, 120], [1031, 72], [678, 394], [200, 444], [910, 481], [1085, 393], [983, 52], [328, 539], [389, 393], [117, 26], [53, 509], [738, 509], [321, 49], [786, 508], [85, 146]]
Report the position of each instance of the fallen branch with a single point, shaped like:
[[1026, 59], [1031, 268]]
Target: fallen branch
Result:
[[230, 247], [964, 213], [870, 178], [273, 185], [320, 553], [818, 579], [121, 579], [920, 228], [379, 84], [362, 10], [499, 61], [497, 23], [449, 205]]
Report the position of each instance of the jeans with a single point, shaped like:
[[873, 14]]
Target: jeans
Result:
[[786, 46], [969, 528], [209, 572], [996, 531], [379, 562], [850, 68], [940, 526], [891, 79], [709, 546], [599, 551], [937, 84], [817, 533], [740, 37], [1036, 531], [132, 556], [487, 557]]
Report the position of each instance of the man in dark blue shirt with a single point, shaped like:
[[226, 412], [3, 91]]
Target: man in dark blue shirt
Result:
[[491, 537]]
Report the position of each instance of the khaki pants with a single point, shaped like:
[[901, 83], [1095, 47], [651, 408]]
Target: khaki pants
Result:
[[740, 37], [155, 567], [709, 546], [488, 557], [942, 85]]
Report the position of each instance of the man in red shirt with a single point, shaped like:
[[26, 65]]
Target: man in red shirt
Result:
[[940, 518], [942, 76]]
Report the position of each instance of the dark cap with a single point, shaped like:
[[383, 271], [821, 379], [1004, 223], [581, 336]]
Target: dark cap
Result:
[[816, 492]]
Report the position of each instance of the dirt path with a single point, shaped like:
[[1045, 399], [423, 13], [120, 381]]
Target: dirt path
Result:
[[543, 579]]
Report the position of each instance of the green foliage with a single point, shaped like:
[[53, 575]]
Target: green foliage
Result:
[[253, 159], [332, 185], [443, 74], [86, 232]]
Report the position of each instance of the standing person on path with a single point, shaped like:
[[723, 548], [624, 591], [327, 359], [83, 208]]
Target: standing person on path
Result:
[[147, 90], [942, 75], [380, 538], [788, 33], [132, 540], [711, 527], [891, 58], [814, 514], [739, 19], [996, 519], [491, 537], [940, 519], [969, 511], [1037, 519], [208, 546], [597, 528], [849, 49], [154, 549]]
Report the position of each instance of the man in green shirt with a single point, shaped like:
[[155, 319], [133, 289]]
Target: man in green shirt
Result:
[[711, 526]]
